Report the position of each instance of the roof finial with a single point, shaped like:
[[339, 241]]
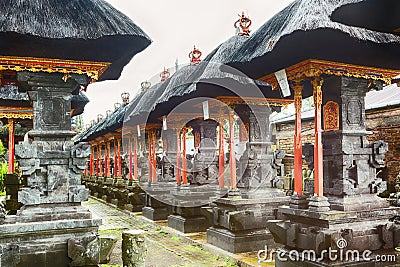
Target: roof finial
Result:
[[194, 56], [244, 24], [165, 75], [125, 98], [145, 85]]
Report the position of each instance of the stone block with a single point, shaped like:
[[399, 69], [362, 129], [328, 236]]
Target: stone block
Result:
[[188, 224], [134, 248]]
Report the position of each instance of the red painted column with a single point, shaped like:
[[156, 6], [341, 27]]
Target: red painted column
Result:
[[178, 157], [130, 158], [184, 167], [92, 161], [100, 160], [135, 158], [119, 157], [221, 154], [232, 158], [318, 154], [298, 150], [11, 147], [108, 161], [150, 157], [115, 171], [154, 158]]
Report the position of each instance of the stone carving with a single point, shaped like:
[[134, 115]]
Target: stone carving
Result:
[[90, 250]]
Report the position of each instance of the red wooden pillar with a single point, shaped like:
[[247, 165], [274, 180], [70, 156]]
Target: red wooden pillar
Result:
[[92, 162], [119, 165], [298, 150], [130, 158], [232, 158], [108, 161], [178, 157], [150, 150], [135, 158], [221, 154], [115, 159], [11, 147], [318, 156], [100, 159], [184, 166], [154, 157]]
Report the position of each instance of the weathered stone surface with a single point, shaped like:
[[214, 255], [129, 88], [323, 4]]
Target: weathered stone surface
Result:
[[9, 255], [134, 248], [85, 251], [107, 244]]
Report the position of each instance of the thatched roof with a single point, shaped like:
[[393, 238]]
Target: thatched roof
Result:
[[108, 124], [89, 30], [305, 30], [78, 103], [377, 15], [206, 79]]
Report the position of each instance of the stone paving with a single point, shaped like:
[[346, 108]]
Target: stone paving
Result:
[[166, 247]]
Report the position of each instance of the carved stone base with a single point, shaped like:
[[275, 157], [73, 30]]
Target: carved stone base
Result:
[[358, 202], [188, 224], [45, 243], [236, 219], [359, 230], [317, 203], [239, 242], [298, 202], [156, 213]]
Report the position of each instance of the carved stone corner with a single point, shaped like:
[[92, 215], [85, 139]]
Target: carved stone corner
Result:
[[78, 193], [29, 196], [84, 251]]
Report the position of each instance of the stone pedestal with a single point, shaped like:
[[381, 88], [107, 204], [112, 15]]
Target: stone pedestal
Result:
[[240, 225], [155, 209], [51, 219], [358, 218], [239, 220]]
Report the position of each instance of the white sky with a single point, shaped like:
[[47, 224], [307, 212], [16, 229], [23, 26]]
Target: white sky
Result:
[[174, 26]]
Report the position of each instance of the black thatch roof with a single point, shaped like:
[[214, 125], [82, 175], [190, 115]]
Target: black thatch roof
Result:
[[377, 15], [304, 30], [89, 30], [206, 79], [109, 124], [78, 103]]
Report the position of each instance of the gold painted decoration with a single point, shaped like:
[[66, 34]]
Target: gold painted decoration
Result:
[[92, 69], [314, 68], [331, 116], [16, 112]]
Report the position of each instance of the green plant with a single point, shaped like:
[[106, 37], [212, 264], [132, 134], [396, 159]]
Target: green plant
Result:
[[3, 171]]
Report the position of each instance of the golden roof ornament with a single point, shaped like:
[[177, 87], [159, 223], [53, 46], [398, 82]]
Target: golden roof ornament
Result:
[[145, 86], [194, 56], [125, 98], [244, 24], [165, 75]]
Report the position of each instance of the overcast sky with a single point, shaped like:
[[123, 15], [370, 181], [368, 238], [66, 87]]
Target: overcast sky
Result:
[[174, 26]]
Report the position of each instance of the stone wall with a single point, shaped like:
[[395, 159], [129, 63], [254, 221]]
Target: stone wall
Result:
[[384, 123]]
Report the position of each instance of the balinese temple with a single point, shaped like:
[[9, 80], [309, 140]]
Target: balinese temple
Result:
[[315, 45], [199, 142], [49, 62]]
